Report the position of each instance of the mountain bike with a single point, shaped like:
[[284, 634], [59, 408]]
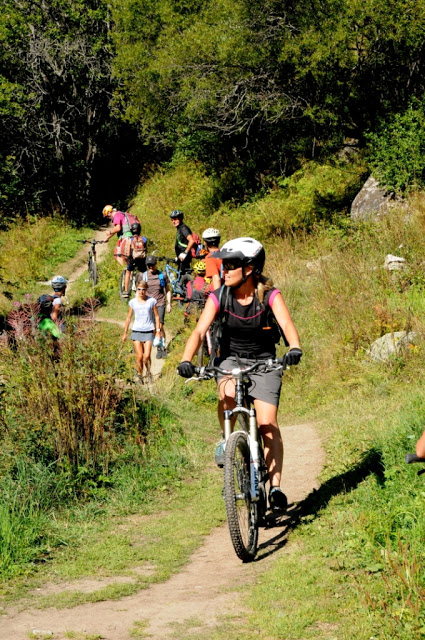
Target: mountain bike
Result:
[[133, 277], [207, 348], [412, 457], [91, 264], [177, 279], [245, 471], [131, 284]]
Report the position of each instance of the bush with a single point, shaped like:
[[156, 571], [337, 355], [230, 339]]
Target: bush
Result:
[[61, 408], [397, 150]]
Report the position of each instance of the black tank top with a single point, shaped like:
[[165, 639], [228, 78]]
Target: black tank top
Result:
[[245, 328]]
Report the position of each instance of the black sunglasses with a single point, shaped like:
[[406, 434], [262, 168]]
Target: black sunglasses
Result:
[[231, 266], [142, 288]]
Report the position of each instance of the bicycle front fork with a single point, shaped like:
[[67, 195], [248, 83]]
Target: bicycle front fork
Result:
[[254, 453]]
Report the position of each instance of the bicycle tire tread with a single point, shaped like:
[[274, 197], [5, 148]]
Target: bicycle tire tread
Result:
[[245, 551]]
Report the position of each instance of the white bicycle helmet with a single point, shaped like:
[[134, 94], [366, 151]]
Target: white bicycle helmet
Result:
[[58, 283], [211, 234], [247, 250]]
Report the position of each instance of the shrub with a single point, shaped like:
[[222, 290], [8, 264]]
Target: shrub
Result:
[[60, 409], [397, 150]]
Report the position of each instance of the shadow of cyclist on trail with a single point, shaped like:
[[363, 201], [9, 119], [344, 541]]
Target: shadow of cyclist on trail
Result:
[[370, 463]]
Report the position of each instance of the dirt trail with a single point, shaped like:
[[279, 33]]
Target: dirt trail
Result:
[[78, 264], [202, 591], [74, 268]]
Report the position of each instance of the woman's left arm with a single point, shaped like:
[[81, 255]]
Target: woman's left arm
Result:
[[283, 317]]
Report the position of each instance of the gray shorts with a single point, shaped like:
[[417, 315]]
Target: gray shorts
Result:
[[161, 313], [142, 336], [264, 386]]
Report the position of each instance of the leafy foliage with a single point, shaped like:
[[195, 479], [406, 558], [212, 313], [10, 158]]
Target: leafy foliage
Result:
[[55, 77], [397, 150], [262, 84]]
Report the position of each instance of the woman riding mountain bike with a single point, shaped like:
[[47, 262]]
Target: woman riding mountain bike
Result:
[[242, 308]]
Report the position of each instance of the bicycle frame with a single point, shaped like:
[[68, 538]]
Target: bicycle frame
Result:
[[238, 375], [245, 471], [174, 276], [241, 377]]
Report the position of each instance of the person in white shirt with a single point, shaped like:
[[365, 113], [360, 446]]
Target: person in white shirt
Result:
[[146, 325]]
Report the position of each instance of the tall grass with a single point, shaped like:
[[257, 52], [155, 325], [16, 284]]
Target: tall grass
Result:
[[31, 251], [185, 187], [69, 400]]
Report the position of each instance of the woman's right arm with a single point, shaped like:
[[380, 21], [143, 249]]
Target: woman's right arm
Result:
[[198, 334], [127, 324], [110, 233]]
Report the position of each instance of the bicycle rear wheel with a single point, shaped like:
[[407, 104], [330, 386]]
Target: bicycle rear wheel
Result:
[[92, 267], [121, 286], [241, 512]]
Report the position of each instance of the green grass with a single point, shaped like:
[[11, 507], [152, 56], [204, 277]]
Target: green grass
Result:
[[31, 252], [141, 521], [353, 567]]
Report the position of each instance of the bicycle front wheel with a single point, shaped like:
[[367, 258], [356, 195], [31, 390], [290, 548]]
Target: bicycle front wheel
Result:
[[202, 353], [92, 267], [241, 512]]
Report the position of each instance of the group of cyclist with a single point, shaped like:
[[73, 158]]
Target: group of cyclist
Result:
[[238, 296], [241, 298]]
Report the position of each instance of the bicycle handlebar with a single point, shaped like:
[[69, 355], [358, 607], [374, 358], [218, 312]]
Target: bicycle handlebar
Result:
[[175, 260], [91, 241], [269, 365]]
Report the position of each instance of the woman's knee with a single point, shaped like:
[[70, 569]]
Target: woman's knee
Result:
[[270, 431]]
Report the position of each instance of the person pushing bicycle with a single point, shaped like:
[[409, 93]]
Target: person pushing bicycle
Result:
[[242, 307], [184, 241]]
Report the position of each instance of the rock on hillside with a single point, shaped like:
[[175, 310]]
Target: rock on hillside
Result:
[[372, 201]]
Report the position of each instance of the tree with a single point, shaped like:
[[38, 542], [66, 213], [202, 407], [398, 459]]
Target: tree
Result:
[[55, 63]]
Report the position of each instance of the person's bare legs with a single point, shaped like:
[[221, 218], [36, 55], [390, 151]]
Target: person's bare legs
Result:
[[138, 348], [420, 446], [147, 356], [226, 387]]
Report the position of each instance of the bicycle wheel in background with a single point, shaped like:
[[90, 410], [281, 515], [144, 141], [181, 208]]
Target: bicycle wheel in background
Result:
[[121, 286], [202, 355], [241, 512], [92, 267]]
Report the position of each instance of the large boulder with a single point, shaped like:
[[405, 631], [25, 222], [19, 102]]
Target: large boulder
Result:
[[372, 201], [391, 344]]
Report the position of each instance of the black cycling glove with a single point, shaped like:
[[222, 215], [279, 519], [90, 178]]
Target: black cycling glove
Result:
[[186, 369], [293, 356]]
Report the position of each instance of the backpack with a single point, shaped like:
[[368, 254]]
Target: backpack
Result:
[[161, 276], [271, 322], [197, 295], [197, 247], [138, 247], [129, 220], [122, 250]]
